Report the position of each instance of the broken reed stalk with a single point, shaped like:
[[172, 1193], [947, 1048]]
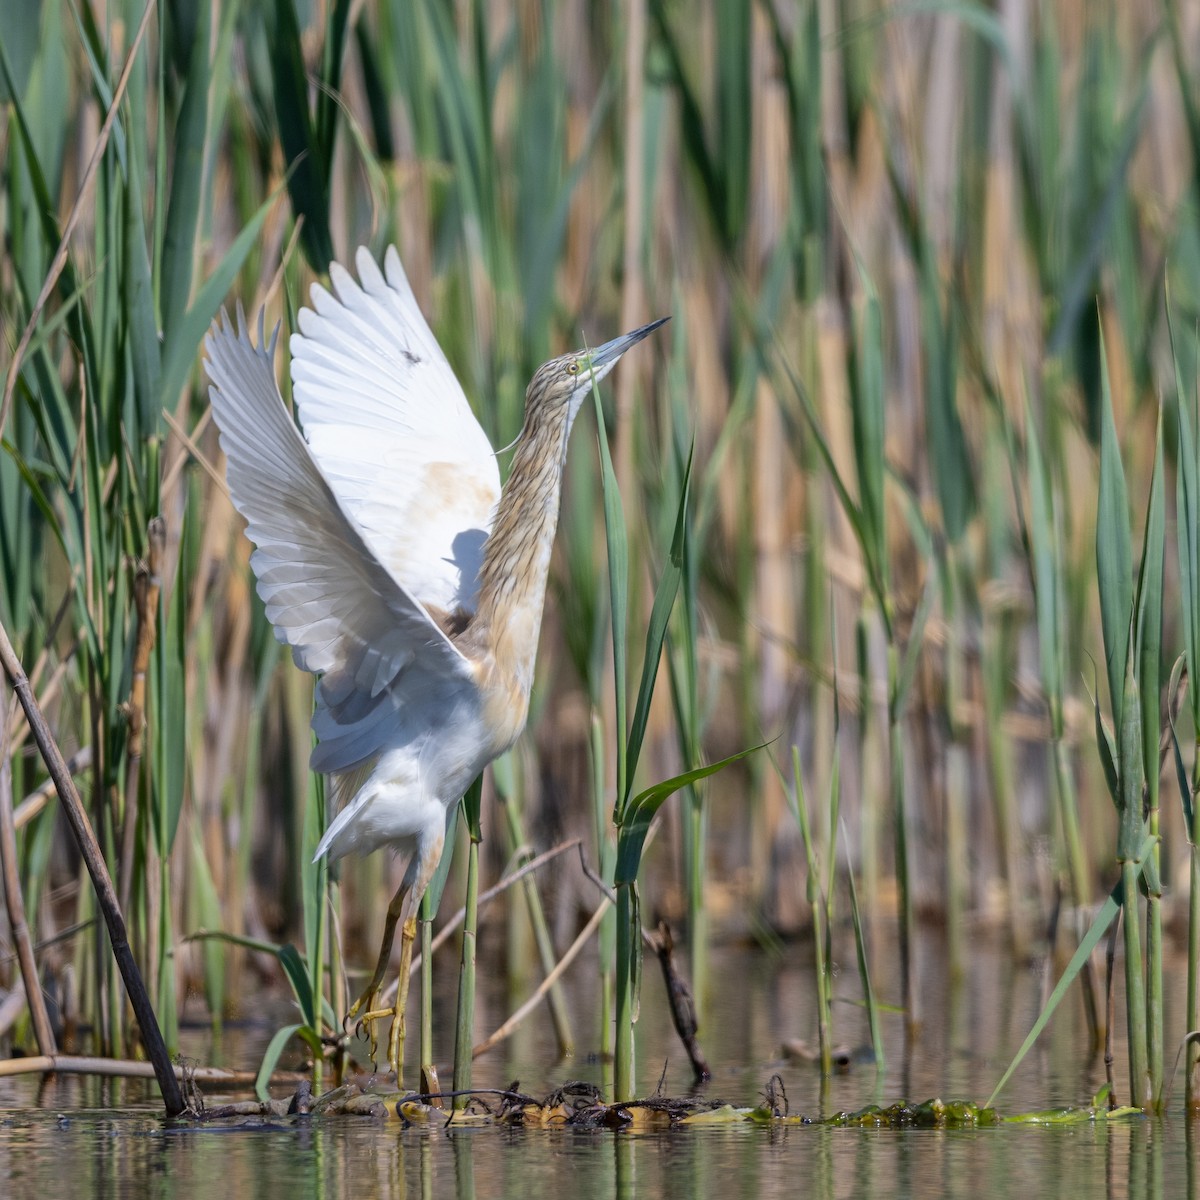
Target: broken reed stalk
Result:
[[42, 1031], [146, 587], [106, 896]]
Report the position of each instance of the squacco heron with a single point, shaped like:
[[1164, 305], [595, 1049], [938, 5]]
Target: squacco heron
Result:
[[391, 562]]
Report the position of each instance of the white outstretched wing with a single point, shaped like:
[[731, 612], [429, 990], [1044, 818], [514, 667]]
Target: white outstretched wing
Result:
[[329, 598], [393, 433]]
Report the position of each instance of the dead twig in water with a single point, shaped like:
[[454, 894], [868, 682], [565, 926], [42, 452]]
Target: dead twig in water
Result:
[[679, 994], [681, 1002]]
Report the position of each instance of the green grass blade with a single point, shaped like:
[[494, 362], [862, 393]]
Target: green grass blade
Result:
[[187, 180]]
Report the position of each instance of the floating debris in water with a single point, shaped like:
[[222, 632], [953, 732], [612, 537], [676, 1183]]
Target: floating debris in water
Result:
[[581, 1105]]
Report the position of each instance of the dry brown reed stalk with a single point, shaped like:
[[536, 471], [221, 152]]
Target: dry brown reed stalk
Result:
[[123, 1068], [15, 903], [106, 896]]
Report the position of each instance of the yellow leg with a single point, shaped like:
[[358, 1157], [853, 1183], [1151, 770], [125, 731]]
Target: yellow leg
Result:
[[408, 934], [367, 1003]]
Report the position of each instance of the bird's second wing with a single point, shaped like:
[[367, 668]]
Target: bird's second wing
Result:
[[345, 617], [393, 432]]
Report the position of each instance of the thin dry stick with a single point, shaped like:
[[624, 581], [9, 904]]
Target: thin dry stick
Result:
[[85, 187], [192, 450], [123, 1068], [547, 983], [15, 902], [33, 804], [648, 939], [106, 897]]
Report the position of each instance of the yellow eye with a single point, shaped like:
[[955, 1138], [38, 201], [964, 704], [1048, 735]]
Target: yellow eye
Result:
[[573, 367]]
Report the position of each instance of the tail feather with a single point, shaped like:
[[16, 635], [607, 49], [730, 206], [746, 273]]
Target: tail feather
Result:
[[346, 787]]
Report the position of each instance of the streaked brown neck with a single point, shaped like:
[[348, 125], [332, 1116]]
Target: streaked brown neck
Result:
[[516, 560]]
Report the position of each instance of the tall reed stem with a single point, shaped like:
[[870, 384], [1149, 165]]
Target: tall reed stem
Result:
[[900, 818], [428, 1071], [1135, 991], [464, 1031], [623, 1082]]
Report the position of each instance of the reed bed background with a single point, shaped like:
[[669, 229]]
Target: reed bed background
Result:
[[930, 266]]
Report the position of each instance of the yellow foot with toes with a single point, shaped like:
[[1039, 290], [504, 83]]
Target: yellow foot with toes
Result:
[[362, 1016]]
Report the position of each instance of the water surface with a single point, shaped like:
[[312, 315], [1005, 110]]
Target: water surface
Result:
[[87, 1137]]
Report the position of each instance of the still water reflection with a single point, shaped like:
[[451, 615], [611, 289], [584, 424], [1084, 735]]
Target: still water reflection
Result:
[[101, 1155], [81, 1137]]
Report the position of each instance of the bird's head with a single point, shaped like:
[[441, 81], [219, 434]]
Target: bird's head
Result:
[[563, 383]]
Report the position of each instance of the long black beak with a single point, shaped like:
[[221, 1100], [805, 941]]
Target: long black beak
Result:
[[611, 351]]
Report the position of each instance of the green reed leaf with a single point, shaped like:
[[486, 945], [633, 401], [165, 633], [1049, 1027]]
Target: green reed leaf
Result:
[[1114, 555], [1046, 573], [1149, 618], [187, 179], [643, 808], [660, 615]]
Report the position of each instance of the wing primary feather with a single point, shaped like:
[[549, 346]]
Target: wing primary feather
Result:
[[326, 593]]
